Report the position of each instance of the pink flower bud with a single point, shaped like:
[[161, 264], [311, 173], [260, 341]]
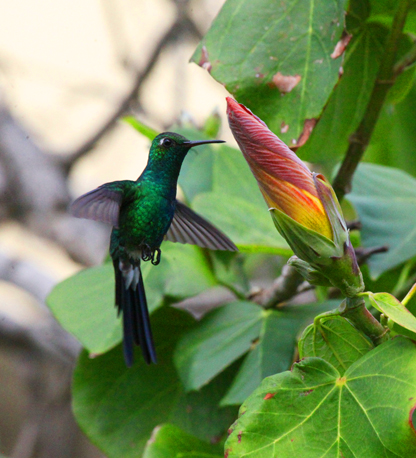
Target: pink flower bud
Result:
[[284, 180], [303, 205]]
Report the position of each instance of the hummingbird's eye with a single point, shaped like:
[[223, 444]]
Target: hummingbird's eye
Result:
[[167, 142]]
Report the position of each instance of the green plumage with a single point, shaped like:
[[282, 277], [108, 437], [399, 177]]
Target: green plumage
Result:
[[142, 214]]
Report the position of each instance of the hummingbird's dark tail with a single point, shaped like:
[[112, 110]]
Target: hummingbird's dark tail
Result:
[[131, 303]]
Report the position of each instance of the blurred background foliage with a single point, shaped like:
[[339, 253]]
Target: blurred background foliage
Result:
[[70, 70]]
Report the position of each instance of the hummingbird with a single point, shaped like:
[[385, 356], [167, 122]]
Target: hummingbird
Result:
[[143, 213]]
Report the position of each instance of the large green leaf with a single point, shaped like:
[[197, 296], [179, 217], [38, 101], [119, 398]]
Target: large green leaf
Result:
[[118, 407], [168, 441], [335, 340], [348, 102], [84, 306], [385, 199], [84, 303], [219, 339], [248, 225], [229, 332], [251, 45], [314, 412]]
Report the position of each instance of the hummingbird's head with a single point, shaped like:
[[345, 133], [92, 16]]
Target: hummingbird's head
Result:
[[172, 147]]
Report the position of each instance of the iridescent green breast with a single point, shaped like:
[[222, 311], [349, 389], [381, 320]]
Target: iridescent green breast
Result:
[[144, 219]]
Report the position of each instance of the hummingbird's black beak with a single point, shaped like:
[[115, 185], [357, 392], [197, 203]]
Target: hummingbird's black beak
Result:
[[202, 142]]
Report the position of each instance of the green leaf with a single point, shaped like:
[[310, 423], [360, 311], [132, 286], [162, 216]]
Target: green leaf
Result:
[[222, 169], [140, 127], [84, 306], [275, 349], [168, 441], [227, 333], [393, 309], [312, 411], [249, 226], [119, 407], [250, 44], [410, 303], [394, 137], [385, 199], [187, 272], [197, 168], [229, 271], [219, 339], [348, 102], [84, 303], [336, 341]]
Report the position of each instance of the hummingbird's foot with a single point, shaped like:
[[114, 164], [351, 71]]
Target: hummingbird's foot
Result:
[[151, 255], [147, 253], [156, 256]]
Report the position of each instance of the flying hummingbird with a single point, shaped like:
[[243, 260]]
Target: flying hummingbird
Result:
[[143, 213]]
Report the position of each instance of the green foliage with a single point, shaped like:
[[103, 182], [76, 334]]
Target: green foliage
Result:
[[235, 329], [84, 303], [335, 340], [313, 411], [347, 104], [393, 309], [385, 200], [394, 138], [275, 349], [168, 441], [280, 39], [119, 407]]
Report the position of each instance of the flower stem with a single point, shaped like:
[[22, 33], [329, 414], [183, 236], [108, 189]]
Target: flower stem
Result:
[[385, 79], [355, 310]]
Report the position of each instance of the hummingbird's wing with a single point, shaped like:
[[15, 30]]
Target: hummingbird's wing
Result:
[[188, 227], [101, 204]]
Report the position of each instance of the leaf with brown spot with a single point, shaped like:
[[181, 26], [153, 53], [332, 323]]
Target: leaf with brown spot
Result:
[[290, 43], [366, 416], [340, 46], [306, 132], [285, 83]]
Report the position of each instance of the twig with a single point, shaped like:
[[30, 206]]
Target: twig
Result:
[[284, 288], [363, 254], [385, 80]]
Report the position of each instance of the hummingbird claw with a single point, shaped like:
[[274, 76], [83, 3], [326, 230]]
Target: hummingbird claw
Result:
[[151, 255], [147, 253], [156, 256]]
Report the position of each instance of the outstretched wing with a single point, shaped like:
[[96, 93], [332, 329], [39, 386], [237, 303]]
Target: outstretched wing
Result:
[[101, 204], [188, 227]]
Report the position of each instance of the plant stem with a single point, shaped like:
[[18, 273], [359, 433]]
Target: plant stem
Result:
[[284, 288], [385, 79], [355, 310]]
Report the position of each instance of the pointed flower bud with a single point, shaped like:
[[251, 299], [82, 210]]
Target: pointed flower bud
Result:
[[303, 205]]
